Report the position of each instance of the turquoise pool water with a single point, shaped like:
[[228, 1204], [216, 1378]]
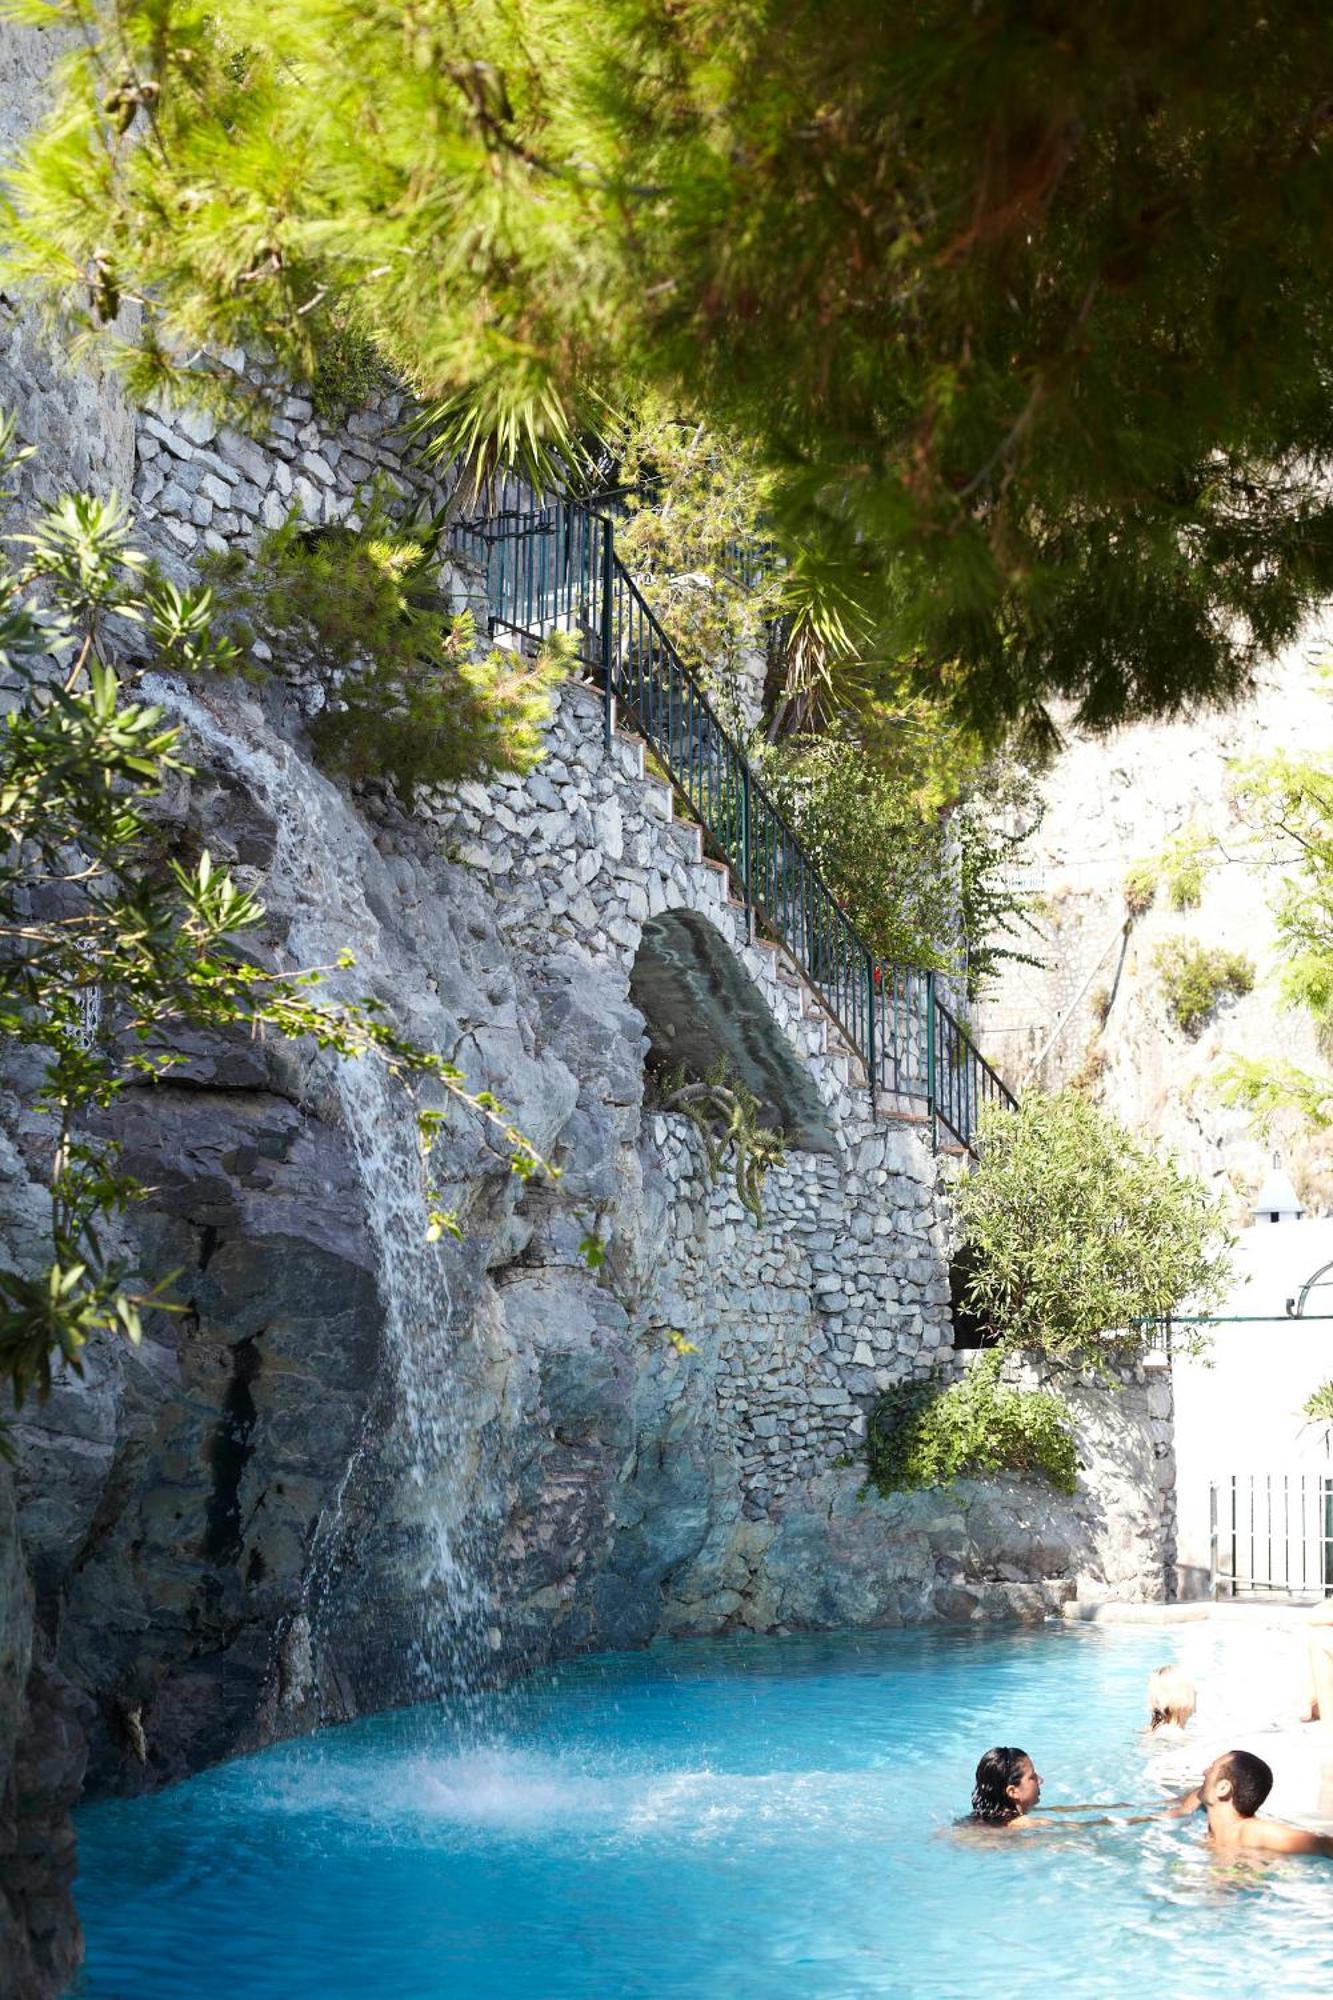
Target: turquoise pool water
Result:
[[729, 1821]]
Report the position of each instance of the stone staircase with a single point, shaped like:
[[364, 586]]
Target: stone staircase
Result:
[[833, 1052]]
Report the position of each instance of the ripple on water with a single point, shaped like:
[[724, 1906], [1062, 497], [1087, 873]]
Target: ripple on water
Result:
[[751, 1822]]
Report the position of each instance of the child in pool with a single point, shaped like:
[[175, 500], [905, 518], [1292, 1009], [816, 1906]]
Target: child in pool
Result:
[[1231, 1792], [1171, 1701]]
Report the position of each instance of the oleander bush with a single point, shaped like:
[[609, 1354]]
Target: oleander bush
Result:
[[1080, 1237]]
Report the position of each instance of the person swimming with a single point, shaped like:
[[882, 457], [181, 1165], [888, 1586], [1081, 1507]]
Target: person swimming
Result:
[[1006, 1797], [1007, 1789], [1231, 1792], [1172, 1699]]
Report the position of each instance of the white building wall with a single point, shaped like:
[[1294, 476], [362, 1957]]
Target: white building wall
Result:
[[1239, 1406]]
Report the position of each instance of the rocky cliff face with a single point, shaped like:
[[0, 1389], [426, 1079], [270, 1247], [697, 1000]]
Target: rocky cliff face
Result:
[[354, 1468], [1095, 1013]]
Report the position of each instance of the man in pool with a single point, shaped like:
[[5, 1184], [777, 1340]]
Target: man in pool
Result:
[[1231, 1792]]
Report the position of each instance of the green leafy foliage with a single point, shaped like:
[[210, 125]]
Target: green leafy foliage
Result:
[[726, 1115], [930, 1433], [886, 860], [592, 1249], [1079, 1236], [1022, 313], [690, 531], [348, 373], [106, 940], [1318, 1405], [1287, 801], [913, 829], [1195, 977], [994, 821], [1140, 888], [410, 700], [1184, 866], [924, 885]]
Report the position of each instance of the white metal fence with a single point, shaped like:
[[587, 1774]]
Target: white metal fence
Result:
[[1272, 1534]]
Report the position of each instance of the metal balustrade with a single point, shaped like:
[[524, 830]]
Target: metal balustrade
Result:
[[1272, 1534], [552, 566]]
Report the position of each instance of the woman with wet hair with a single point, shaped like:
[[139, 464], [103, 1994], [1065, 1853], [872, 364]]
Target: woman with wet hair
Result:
[[1006, 1790], [1005, 1795]]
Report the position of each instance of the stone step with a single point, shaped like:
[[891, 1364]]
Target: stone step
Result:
[[720, 871], [627, 753], [688, 837], [658, 802], [902, 1110]]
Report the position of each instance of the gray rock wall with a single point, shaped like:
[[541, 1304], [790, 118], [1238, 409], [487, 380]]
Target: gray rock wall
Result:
[[1096, 1007], [85, 434], [231, 1529], [78, 418], [347, 1470]]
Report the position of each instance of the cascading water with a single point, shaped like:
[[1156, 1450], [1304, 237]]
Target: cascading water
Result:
[[325, 912]]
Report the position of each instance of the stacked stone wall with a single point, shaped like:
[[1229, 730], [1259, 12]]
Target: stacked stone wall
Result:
[[201, 486]]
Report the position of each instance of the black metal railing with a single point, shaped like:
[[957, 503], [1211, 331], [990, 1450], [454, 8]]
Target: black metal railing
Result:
[[553, 566]]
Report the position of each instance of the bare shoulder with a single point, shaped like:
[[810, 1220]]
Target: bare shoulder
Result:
[[987, 1833], [1273, 1836]]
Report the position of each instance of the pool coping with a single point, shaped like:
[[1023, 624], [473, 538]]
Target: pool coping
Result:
[[1193, 1611]]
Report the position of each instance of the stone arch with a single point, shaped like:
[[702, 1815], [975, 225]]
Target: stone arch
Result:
[[700, 1004]]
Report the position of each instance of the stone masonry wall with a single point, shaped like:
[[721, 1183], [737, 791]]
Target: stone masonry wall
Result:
[[201, 486], [84, 432]]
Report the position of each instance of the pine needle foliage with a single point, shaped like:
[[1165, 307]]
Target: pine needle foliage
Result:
[[1022, 309], [108, 939], [925, 1434], [690, 504], [348, 374], [410, 701]]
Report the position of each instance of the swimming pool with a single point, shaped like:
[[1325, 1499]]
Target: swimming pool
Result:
[[748, 1820]]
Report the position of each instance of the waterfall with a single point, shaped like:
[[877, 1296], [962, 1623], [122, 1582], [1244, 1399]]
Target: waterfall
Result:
[[314, 884]]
